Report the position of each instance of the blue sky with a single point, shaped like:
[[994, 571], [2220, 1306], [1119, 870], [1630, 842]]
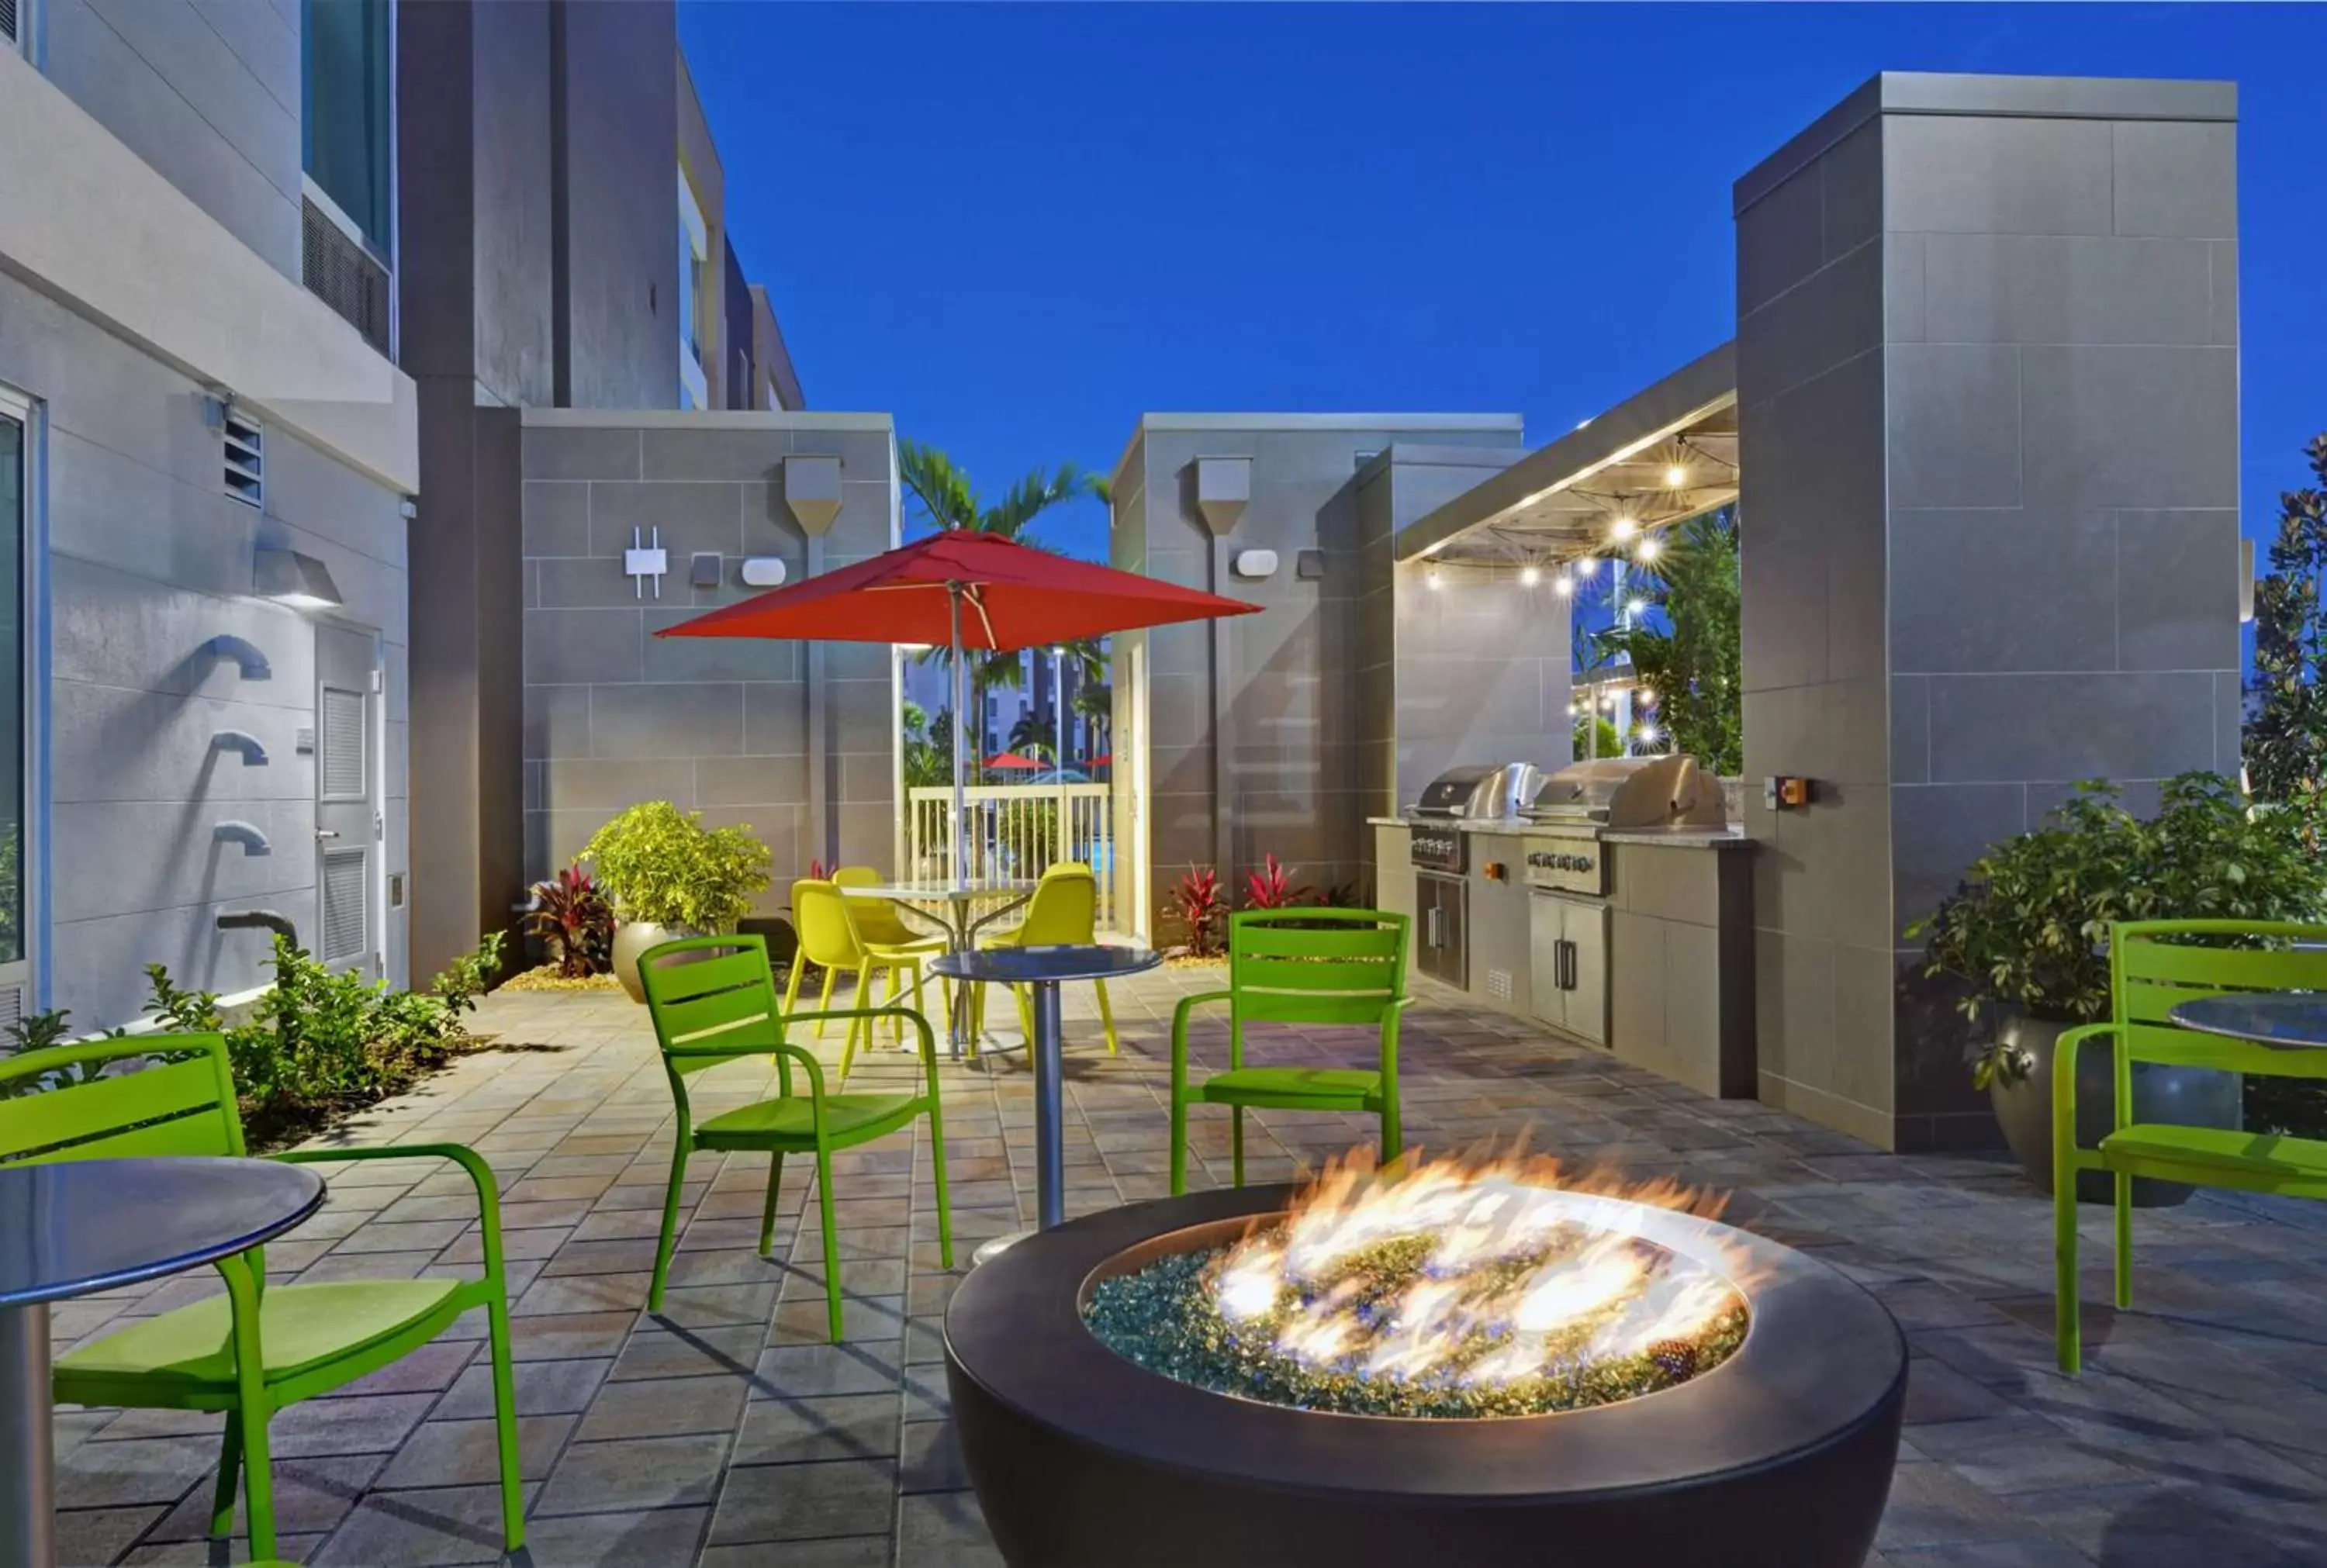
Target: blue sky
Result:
[[1017, 228]]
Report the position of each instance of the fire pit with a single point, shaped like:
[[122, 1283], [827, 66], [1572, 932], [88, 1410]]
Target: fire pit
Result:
[[1444, 1364]]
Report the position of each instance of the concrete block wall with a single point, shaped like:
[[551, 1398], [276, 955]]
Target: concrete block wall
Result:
[[1987, 372], [614, 715], [1279, 690], [147, 561]]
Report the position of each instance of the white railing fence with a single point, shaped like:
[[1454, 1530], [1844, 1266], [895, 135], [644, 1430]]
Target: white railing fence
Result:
[[1013, 830]]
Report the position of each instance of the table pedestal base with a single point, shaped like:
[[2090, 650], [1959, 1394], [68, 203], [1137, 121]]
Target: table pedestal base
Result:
[[28, 1500]]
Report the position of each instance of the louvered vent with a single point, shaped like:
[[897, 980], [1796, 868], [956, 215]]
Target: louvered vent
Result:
[[8, 31], [12, 997], [341, 273], [343, 750], [245, 459], [343, 904]]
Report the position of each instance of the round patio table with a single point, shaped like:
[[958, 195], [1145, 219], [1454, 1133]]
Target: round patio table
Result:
[[2282, 1020], [1044, 970], [952, 907], [81, 1226]]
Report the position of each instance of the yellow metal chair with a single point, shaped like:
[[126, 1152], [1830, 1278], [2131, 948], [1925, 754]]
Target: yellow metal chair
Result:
[[876, 919], [830, 938], [1063, 911]]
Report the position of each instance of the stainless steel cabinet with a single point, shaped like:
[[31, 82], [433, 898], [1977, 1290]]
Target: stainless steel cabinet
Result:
[[1439, 919], [1567, 967]]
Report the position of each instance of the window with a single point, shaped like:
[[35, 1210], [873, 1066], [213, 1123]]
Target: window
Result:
[[346, 125], [694, 267], [15, 488]]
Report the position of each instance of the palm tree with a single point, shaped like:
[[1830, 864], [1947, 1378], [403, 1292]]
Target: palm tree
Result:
[[947, 500]]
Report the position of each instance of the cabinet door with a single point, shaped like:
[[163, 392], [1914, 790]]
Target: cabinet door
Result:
[[1586, 928], [1547, 988]]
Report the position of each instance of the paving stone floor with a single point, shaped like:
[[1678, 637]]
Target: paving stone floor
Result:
[[724, 1431]]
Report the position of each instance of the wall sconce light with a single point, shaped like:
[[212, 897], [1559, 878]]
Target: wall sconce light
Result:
[[244, 834], [1255, 564], [288, 577], [246, 658], [254, 755], [764, 571]]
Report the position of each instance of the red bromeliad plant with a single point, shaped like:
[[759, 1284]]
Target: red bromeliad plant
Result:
[[572, 913], [1271, 887], [1202, 908]]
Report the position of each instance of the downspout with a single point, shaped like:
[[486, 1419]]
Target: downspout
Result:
[[1223, 490], [812, 496]]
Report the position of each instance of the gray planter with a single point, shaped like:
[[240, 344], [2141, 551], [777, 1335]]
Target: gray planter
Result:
[[633, 938], [2189, 1097]]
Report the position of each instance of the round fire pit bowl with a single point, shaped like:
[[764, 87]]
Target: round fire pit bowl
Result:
[[1783, 1453]]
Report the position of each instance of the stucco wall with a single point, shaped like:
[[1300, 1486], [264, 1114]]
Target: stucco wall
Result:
[[207, 94], [614, 715], [148, 560]]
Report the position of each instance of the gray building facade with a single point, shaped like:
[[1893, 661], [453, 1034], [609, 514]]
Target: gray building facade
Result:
[[795, 739], [186, 431], [1987, 374], [1243, 737]]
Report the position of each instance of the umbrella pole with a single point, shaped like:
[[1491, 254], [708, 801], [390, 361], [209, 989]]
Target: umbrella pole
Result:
[[960, 848]]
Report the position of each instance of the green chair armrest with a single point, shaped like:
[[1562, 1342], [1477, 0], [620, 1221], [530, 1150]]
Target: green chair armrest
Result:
[[2064, 1084], [1188, 1004], [488, 1191]]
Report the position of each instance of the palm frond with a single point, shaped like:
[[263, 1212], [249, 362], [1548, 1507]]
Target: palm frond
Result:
[[934, 480], [1030, 497]]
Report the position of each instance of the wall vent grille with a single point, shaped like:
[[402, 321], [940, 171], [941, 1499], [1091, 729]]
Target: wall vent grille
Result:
[[8, 20], [245, 459], [344, 903], [12, 997], [339, 271], [343, 745]]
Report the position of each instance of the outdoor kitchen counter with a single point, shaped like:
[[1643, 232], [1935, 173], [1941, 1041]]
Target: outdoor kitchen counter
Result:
[[1681, 941]]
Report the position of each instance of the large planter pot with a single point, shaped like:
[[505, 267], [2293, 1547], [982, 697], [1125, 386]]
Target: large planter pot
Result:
[[633, 938], [2189, 1097]]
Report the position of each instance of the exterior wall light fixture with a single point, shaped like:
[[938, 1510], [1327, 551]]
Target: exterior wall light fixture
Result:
[[288, 577], [254, 753]]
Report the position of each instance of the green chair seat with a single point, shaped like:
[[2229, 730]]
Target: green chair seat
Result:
[[301, 1328], [1321, 1088], [1310, 967], [2222, 1149], [794, 1118]]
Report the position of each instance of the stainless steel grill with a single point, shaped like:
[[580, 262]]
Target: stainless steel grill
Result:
[[1635, 794]]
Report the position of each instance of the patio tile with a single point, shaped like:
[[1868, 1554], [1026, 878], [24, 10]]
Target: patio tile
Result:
[[619, 1540], [311, 1496], [676, 1352], [796, 1502], [664, 1407], [541, 1388], [842, 1426], [637, 1473], [437, 1528], [100, 1535], [463, 1452], [944, 1530]]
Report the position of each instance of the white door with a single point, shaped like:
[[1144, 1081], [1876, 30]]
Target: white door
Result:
[[1131, 765], [349, 825]]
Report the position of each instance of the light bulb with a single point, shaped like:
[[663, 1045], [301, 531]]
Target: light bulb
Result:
[[1622, 528], [1431, 577], [1647, 698], [1647, 733], [1530, 576], [1587, 565], [1572, 711], [1634, 606], [1647, 550], [1562, 584], [1676, 476]]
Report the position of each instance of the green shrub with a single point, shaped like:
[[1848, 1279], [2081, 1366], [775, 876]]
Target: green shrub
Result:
[[664, 868]]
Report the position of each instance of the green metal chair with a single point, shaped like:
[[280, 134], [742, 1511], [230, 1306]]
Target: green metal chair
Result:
[[1305, 966], [1063, 911], [720, 1005], [2156, 966], [258, 1347]]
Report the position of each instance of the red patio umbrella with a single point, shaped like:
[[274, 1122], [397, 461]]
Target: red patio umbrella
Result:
[[965, 590], [1013, 759]]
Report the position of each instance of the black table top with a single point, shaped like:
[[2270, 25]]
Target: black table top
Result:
[[1035, 965], [90, 1224], [2287, 1020]]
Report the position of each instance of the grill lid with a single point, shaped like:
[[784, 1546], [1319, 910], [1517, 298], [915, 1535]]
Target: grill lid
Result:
[[1632, 793], [1492, 791]]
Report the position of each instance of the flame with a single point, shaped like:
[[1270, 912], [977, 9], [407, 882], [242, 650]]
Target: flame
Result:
[[1507, 1270]]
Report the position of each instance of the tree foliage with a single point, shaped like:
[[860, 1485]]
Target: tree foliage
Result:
[[2288, 735], [1693, 661]]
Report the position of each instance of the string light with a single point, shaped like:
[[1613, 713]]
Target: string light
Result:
[[1430, 579], [1562, 584], [1587, 565], [1647, 733], [1676, 476], [1647, 550], [1529, 575], [1622, 528], [1635, 606]]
